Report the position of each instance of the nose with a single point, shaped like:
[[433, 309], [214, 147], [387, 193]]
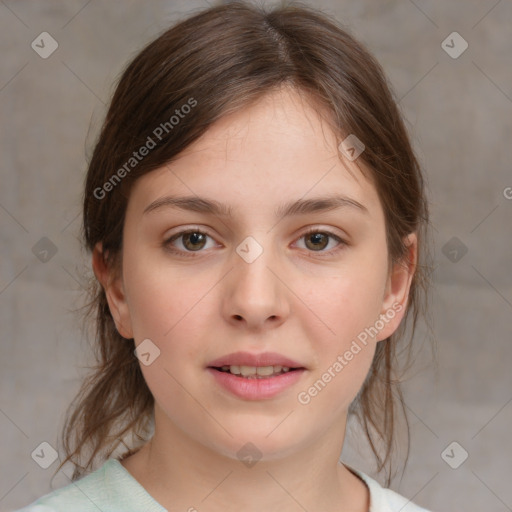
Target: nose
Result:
[[256, 293]]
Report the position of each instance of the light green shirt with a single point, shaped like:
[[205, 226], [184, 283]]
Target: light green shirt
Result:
[[112, 488]]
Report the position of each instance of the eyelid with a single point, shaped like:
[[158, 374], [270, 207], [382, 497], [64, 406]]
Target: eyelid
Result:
[[310, 230], [342, 243], [175, 236]]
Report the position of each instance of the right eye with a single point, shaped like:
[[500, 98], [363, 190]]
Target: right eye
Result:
[[193, 240]]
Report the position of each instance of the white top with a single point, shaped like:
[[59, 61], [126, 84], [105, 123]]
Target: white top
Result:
[[386, 500], [112, 488]]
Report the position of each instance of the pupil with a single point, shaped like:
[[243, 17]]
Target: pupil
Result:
[[194, 238], [317, 238]]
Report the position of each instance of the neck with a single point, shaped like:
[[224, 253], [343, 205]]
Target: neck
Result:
[[181, 473]]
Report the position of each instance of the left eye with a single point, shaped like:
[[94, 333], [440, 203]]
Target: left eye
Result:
[[316, 239], [195, 240]]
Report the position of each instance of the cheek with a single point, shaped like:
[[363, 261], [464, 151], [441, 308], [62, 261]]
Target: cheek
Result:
[[345, 303], [174, 310], [162, 299]]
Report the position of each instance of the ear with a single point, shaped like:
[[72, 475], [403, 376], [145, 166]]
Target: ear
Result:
[[396, 293], [114, 290]]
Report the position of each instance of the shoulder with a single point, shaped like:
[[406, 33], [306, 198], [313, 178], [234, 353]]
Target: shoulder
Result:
[[111, 487], [386, 500], [83, 495], [98, 490]]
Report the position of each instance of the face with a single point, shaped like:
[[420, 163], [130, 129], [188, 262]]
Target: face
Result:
[[311, 286]]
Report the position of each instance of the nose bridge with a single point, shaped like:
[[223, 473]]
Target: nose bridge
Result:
[[253, 262], [256, 292]]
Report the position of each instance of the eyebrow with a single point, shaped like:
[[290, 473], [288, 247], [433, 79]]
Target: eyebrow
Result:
[[298, 207]]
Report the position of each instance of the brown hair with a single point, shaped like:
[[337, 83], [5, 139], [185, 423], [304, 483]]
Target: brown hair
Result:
[[219, 61]]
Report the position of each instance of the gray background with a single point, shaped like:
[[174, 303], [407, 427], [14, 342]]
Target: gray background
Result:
[[459, 112]]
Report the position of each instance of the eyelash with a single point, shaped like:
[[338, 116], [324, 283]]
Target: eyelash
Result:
[[192, 254]]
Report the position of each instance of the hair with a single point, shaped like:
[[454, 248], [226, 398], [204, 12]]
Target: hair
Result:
[[218, 61]]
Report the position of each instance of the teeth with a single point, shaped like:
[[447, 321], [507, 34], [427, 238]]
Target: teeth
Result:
[[255, 371]]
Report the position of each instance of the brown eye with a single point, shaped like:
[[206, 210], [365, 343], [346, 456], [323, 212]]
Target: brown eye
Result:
[[187, 241], [317, 241], [194, 240]]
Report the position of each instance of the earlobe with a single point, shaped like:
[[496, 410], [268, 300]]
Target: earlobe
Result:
[[114, 291], [396, 294]]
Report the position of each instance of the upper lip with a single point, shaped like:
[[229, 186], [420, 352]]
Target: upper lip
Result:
[[249, 359]]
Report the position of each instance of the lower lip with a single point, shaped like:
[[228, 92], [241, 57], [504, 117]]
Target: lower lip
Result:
[[256, 389]]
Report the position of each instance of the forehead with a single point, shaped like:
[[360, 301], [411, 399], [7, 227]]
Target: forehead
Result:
[[284, 119], [275, 149]]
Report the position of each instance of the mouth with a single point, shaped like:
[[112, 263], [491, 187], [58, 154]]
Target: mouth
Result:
[[255, 382], [255, 372]]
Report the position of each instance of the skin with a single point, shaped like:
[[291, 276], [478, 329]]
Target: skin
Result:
[[290, 300]]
